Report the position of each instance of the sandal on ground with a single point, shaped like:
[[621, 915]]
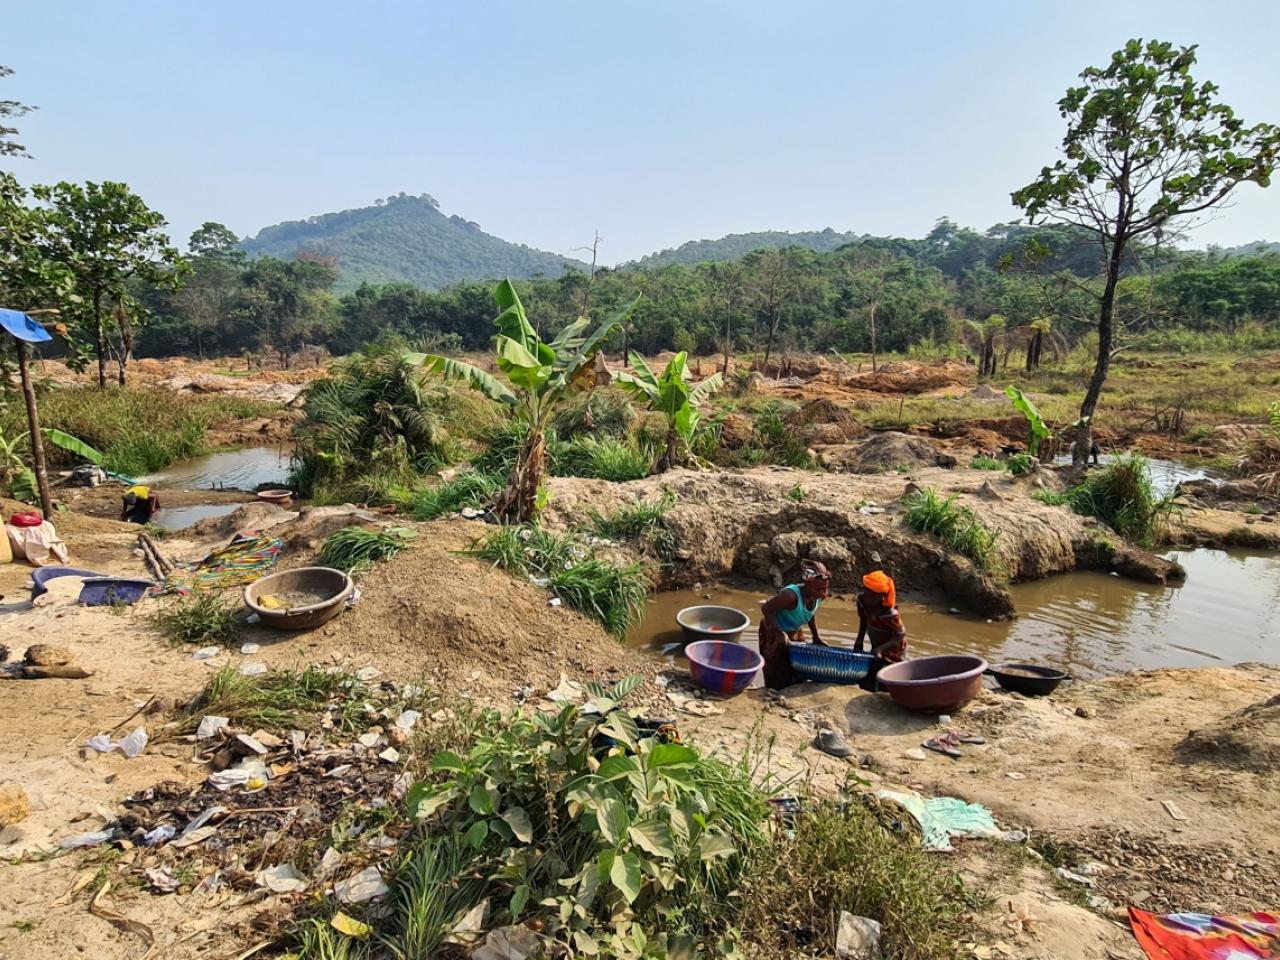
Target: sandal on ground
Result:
[[833, 742], [944, 744], [963, 736]]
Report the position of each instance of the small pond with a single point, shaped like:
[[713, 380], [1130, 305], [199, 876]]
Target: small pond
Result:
[[176, 518], [1091, 624], [245, 469]]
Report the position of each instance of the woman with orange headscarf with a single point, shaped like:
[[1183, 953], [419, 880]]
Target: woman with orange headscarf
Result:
[[879, 621]]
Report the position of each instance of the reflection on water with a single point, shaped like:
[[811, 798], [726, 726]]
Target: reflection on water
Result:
[[1090, 624], [1165, 474], [245, 469], [175, 518]]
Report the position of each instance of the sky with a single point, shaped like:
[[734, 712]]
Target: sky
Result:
[[651, 122]]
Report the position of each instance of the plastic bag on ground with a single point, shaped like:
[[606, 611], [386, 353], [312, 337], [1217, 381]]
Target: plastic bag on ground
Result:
[[858, 938], [363, 886], [942, 818], [131, 746]]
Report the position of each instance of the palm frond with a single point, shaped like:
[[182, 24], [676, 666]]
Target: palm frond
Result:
[[706, 388]]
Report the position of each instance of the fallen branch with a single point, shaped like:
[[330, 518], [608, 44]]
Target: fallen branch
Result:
[[120, 920]]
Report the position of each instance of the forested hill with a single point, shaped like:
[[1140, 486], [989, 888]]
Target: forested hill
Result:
[[735, 246], [405, 239]]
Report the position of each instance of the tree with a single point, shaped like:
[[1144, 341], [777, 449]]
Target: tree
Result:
[[106, 237], [286, 303], [28, 280], [983, 339], [11, 108], [209, 293], [674, 395], [1146, 148], [540, 378], [773, 283], [212, 239]]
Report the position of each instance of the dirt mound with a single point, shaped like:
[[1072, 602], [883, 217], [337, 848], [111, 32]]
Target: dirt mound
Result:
[[252, 516], [881, 452], [1249, 739], [984, 391], [804, 367], [910, 377], [822, 421], [462, 623]]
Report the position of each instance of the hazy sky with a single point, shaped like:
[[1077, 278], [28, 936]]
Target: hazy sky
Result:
[[654, 122]]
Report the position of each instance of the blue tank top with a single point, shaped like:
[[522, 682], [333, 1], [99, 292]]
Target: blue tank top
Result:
[[792, 620]]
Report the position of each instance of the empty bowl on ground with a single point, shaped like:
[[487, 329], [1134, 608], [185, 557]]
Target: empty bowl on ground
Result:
[[722, 666], [711, 622], [934, 684]]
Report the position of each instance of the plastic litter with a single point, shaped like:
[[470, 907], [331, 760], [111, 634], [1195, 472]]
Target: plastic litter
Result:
[[942, 818], [350, 926], [131, 746], [191, 837], [209, 727], [283, 878], [369, 740], [202, 819], [553, 602], [390, 755], [1066, 874], [407, 719], [252, 774], [94, 839], [161, 880], [568, 691], [161, 834], [252, 669], [857, 938], [368, 673], [250, 648], [206, 653], [508, 943], [330, 862], [363, 886]]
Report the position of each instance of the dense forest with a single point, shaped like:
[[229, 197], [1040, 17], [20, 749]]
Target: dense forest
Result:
[[404, 239], [954, 287]]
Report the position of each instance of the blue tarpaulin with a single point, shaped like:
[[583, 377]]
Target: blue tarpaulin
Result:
[[23, 327]]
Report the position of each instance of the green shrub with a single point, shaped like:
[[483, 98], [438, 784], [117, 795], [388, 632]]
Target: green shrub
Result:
[[471, 489], [641, 522], [604, 459], [1020, 464], [983, 462], [599, 413], [204, 618], [355, 549], [612, 594], [1121, 496], [956, 526]]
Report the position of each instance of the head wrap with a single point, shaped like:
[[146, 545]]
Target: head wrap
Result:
[[139, 491], [880, 582], [814, 570]]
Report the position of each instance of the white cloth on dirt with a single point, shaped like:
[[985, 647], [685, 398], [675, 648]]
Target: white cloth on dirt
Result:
[[39, 546]]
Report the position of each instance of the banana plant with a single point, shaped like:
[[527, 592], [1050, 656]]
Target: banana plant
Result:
[[674, 395], [537, 380], [14, 470]]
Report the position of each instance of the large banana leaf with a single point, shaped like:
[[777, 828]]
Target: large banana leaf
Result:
[[673, 387], [514, 324], [1039, 429], [566, 341], [24, 486], [642, 370], [587, 347], [706, 388], [73, 445], [522, 368], [637, 386], [473, 376]]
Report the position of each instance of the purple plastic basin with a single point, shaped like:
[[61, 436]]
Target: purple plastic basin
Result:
[[934, 684], [722, 666]]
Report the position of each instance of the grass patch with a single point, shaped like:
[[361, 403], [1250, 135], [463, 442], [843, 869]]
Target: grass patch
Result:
[[983, 462], [204, 618], [139, 430], [640, 522], [276, 700], [956, 526], [843, 859], [1020, 464], [606, 458], [1122, 497], [355, 549], [612, 594], [471, 489], [796, 494]]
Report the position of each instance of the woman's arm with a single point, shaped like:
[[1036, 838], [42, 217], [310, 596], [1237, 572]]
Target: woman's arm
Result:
[[813, 632], [862, 628]]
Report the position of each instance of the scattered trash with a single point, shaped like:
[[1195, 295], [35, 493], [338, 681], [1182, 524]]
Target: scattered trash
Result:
[[363, 886], [283, 878], [368, 673], [252, 669], [1173, 810], [1014, 775], [1066, 874], [942, 818], [206, 653], [202, 819], [350, 926], [369, 740], [568, 691], [250, 648], [553, 602], [210, 726], [408, 718], [190, 838], [161, 879], [857, 938], [833, 742], [245, 774], [160, 835], [328, 863], [131, 746], [97, 838], [914, 753], [390, 755], [1022, 920], [250, 744]]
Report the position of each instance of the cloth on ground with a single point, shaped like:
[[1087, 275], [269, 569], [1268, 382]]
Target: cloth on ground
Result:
[[1199, 936], [246, 558], [942, 818], [40, 545]]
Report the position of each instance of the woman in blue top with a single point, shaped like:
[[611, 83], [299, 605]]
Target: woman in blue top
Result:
[[784, 618]]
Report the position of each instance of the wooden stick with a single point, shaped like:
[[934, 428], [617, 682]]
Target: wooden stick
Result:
[[35, 438]]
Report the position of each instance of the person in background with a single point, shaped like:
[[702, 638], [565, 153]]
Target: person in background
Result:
[[880, 623], [140, 504], [784, 617]]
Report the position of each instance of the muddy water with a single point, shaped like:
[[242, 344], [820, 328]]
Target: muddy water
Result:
[[245, 469], [175, 518], [1090, 624], [1165, 474]]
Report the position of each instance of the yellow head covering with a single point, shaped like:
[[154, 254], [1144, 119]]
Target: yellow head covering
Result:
[[139, 491]]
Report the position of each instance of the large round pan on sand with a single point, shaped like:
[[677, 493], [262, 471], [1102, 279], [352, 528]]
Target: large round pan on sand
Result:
[[934, 684], [329, 587], [710, 622]]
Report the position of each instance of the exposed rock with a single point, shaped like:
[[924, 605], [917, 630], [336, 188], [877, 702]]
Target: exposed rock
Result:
[[14, 805], [47, 655]]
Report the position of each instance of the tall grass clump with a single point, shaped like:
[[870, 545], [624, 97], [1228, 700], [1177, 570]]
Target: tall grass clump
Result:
[[356, 549], [956, 526], [604, 412], [612, 594], [1121, 496], [983, 462], [276, 700], [471, 489], [604, 458], [861, 868], [139, 430], [640, 522], [204, 618]]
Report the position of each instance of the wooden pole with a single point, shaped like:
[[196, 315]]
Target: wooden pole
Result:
[[33, 424]]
